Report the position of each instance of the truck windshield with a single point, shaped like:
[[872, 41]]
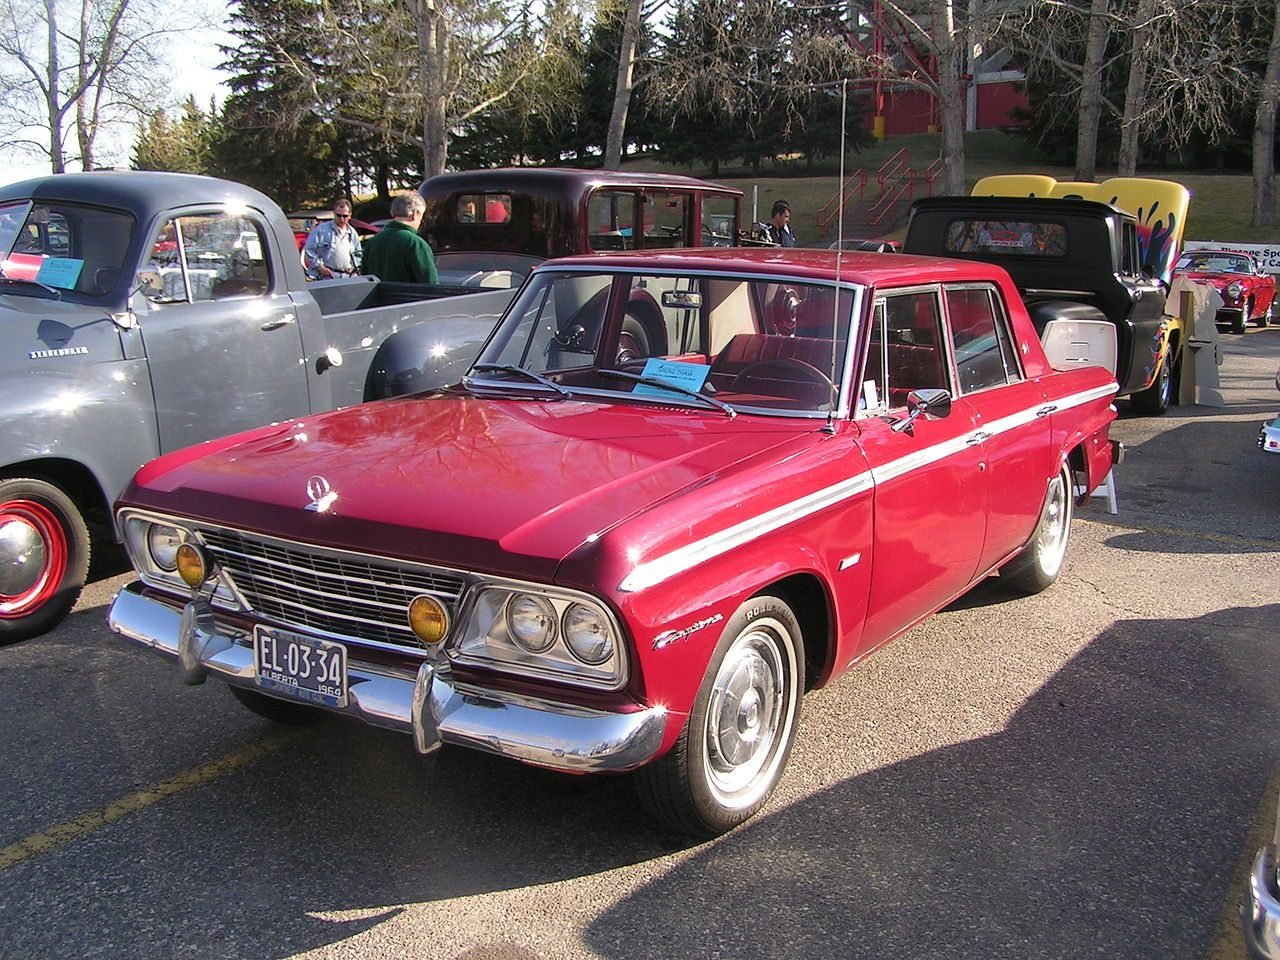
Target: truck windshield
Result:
[[767, 345], [78, 251]]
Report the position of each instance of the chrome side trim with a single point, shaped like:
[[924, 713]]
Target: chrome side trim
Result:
[[425, 703], [668, 565], [685, 558]]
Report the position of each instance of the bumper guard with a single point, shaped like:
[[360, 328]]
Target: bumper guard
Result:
[[427, 705]]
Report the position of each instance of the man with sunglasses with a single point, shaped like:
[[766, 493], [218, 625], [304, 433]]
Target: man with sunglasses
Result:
[[333, 246]]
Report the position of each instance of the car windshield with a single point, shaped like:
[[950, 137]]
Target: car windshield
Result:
[[1214, 263], [721, 343], [67, 248]]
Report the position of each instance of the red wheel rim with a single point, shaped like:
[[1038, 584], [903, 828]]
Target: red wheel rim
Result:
[[39, 521]]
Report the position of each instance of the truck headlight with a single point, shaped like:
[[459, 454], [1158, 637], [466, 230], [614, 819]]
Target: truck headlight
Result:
[[543, 632]]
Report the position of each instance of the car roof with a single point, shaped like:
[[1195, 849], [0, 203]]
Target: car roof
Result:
[[872, 269], [145, 193], [563, 180]]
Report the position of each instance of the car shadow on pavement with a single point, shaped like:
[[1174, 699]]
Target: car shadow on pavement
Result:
[[1081, 829], [1105, 819]]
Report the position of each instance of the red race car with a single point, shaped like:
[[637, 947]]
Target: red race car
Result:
[[1248, 291]]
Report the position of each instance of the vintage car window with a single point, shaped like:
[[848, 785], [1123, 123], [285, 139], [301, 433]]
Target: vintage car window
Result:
[[206, 257], [1131, 252], [905, 351], [716, 337], [664, 219], [1015, 238], [76, 249], [719, 221], [611, 214], [980, 339]]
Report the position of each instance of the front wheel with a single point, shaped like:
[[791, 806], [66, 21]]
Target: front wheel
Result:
[[734, 746], [1037, 566], [1264, 318], [1241, 320], [1155, 400], [44, 557]]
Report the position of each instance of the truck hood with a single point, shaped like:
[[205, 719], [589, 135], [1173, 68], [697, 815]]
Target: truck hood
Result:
[[502, 486], [42, 334]]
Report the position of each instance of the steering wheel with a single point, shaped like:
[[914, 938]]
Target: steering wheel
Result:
[[782, 368]]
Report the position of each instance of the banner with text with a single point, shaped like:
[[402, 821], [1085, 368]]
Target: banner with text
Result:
[[1268, 254]]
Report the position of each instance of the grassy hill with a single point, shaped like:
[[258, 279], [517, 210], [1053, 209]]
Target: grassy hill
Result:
[[1221, 204]]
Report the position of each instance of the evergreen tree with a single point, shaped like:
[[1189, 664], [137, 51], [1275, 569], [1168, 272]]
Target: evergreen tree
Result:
[[181, 146]]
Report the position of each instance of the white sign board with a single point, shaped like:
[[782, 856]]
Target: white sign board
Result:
[[1268, 254]]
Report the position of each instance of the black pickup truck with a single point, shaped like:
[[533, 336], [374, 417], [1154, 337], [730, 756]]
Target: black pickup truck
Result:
[[1073, 259]]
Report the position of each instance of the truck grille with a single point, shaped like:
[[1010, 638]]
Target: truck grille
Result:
[[344, 594]]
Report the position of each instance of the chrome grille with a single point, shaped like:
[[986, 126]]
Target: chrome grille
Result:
[[365, 598]]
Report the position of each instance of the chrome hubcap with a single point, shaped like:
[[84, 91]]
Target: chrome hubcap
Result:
[[23, 556], [746, 714], [1053, 527]]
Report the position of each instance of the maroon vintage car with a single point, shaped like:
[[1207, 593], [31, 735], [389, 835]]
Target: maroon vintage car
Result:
[[603, 565], [1248, 291]]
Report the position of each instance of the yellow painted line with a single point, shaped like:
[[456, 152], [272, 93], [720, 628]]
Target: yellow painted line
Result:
[[1228, 938], [1227, 538], [77, 827]]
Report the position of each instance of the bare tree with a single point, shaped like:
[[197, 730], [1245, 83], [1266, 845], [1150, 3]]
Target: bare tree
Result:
[[1184, 65], [622, 89], [1264, 132], [1090, 113], [75, 71]]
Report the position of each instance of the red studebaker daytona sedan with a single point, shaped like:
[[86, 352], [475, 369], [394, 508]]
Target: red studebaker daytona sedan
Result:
[[604, 565]]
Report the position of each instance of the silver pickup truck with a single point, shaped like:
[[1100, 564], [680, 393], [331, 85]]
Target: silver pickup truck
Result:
[[144, 312]]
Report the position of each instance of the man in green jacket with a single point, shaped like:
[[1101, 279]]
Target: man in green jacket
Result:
[[397, 252]]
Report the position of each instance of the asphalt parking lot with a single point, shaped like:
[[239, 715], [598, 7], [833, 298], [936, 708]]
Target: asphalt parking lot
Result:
[[1084, 773]]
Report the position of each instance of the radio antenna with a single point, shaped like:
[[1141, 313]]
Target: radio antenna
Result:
[[835, 299]]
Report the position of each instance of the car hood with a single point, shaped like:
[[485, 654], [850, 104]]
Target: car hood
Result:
[[502, 486], [1217, 279]]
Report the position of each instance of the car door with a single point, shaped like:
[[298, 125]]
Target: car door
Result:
[[220, 332], [930, 481], [1010, 413]]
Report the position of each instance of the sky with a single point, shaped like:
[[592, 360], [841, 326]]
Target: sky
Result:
[[193, 60]]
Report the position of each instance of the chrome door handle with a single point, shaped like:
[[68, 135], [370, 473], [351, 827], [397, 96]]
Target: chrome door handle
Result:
[[278, 322], [1045, 411], [980, 437]]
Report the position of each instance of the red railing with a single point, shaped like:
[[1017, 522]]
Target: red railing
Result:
[[932, 173], [904, 183], [855, 185]]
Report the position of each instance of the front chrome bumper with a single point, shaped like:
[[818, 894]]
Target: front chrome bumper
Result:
[[428, 705], [1261, 913]]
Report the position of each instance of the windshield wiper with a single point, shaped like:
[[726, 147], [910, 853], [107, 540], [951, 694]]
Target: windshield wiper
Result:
[[668, 385], [522, 371], [16, 281]]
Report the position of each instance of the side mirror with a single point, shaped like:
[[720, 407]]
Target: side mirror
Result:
[[932, 404]]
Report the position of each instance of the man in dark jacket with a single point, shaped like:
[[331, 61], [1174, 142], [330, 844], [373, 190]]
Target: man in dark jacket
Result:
[[397, 252], [780, 224]]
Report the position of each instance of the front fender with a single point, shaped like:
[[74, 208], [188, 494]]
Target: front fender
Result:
[[419, 358]]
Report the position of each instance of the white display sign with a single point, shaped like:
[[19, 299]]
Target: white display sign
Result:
[[1268, 254]]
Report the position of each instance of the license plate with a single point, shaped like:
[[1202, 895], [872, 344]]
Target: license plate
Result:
[[304, 668]]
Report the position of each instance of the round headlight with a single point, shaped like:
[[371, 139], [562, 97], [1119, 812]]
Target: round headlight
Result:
[[1234, 290], [428, 619], [193, 566], [531, 621], [587, 634], [162, 544]]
